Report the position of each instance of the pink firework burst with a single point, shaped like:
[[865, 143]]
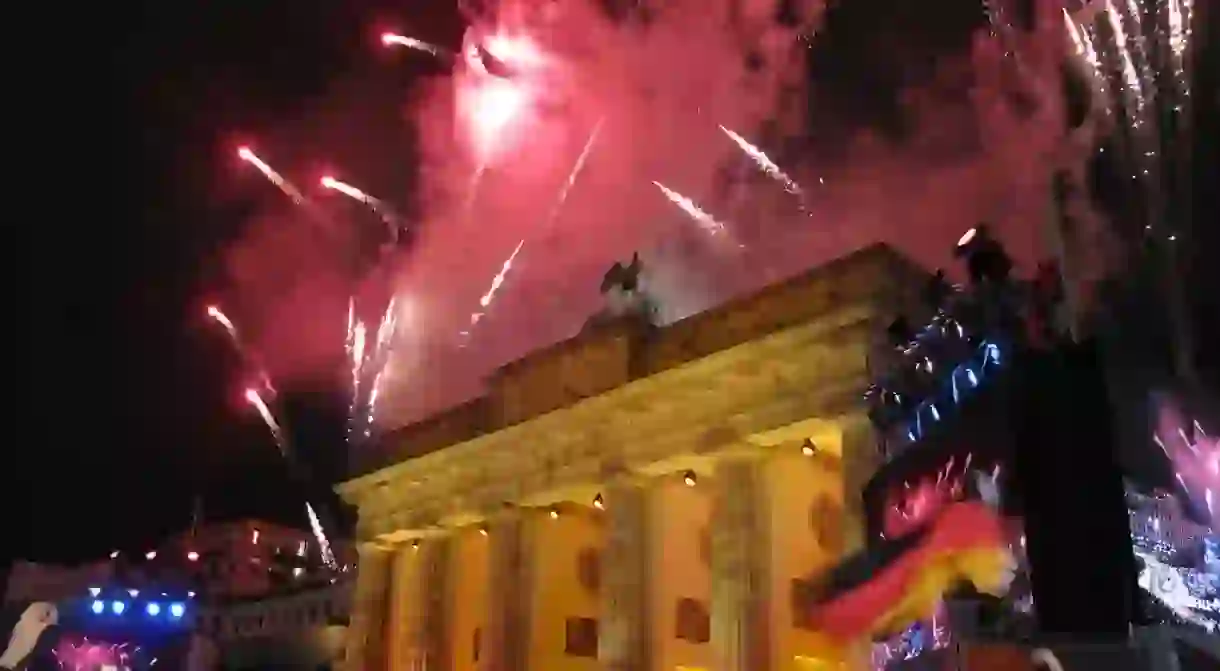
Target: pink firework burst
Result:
[[1195, 457]]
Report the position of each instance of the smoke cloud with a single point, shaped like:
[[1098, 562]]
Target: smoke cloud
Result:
[[898, 127]]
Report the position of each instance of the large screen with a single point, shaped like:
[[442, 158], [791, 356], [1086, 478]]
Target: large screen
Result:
[[1174, 515]]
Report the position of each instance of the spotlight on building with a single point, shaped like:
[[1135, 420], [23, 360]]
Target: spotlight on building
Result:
[[114, 554], [176, 610], [153, 609], [150, 555], [94, 591], [690, 478], [133, 593], [192, 556], [808, 448]]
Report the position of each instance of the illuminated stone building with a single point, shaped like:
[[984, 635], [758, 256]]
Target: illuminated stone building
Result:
[[636, 497]]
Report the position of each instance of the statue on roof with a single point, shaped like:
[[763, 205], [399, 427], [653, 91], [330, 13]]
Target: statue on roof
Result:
[[623, 294]]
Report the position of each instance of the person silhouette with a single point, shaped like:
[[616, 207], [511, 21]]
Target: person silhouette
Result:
[[25, 627]]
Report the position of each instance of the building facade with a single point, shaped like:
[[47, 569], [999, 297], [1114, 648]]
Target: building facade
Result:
[[247, 558], [31, 581], [298, 630], [635, 498]]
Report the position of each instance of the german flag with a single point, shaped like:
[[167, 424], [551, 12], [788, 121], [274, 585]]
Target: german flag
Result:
[[887, 588]]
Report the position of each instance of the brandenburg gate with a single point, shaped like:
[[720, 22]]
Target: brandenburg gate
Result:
[[636, 498]]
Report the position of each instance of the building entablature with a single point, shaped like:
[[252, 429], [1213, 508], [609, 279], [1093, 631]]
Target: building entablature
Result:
[[786, 364]]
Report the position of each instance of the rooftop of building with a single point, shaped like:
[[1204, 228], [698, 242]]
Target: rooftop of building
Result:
[[611, 355]]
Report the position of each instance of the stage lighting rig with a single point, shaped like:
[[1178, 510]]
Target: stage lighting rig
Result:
[[133, 605]]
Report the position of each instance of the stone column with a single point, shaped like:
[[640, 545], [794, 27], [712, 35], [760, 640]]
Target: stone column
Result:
[[406, 590], [624, 628], [366, 633], [419, 615], [506, 640], [741, 561], [435, 572], [861, 459]]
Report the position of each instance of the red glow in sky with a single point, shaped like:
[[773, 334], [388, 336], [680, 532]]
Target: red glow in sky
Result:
[[495, 152]]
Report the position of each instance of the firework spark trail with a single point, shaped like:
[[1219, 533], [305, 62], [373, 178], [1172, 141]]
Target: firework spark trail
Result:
[[706, 221], [1089, 51], [328, 555], [577, 168], [349, 191], [1178, 18], [1133, 86], [378, 359], [765, 163], [472, 191], [351, 324], [548, 223], [1134, 99], [256, 400], [356, 351], [294, 194], [392, 40], [315, 524], [496, 282], [377, 205], [221, 318], [1135, 15], [1083, 42]]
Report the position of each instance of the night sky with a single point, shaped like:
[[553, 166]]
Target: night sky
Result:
[[130, 401]]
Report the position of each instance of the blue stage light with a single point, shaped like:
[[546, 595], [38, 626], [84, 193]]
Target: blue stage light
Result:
[[98, 607], [118, 607], [176, 609], [153, 609]]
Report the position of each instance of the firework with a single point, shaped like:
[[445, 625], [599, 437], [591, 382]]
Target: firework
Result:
[[294, 194], [392, 40], [223, 319], [368, 360], [328, 555], [253, 397], [496, 282], [705, 221], [528, 84], [377, 205], [764, 163], [246, 353], [256, 400], [551, 217], [1195, 457]]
